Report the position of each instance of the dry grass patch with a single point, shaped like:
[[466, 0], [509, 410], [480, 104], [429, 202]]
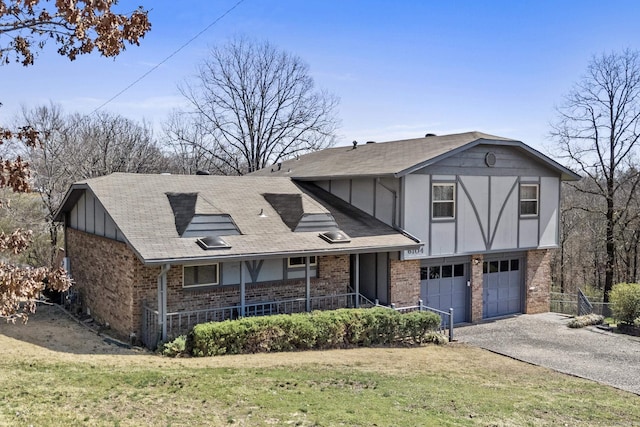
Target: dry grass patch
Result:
[[431, 385]]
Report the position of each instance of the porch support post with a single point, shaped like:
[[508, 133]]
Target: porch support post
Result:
[[162, 301], [356, 279], [307, 276], [242, 290]]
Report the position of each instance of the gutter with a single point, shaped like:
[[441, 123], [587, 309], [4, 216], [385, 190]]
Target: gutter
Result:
[[248, 256]]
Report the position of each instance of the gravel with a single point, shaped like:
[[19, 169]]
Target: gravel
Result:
[[545, 340]]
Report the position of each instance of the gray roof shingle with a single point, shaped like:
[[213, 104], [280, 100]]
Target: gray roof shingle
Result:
[[393, 158], [139, 206]]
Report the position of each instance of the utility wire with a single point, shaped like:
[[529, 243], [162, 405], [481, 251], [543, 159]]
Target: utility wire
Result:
[[174, 53]]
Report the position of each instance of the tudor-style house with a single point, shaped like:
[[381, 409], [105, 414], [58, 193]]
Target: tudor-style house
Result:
[[485, 209], [461, 221]]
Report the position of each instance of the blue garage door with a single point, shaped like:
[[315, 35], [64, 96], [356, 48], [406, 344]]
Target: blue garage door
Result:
[[445, 286], [502, 287]]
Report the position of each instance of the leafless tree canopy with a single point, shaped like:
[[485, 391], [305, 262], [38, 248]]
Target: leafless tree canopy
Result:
[[76, 147], [252, 105], [597, 132], [77, 27]]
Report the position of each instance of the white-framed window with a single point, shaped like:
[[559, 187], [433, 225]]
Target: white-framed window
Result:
[[200, 275], [299, 262], [443, 205], [529, 199]]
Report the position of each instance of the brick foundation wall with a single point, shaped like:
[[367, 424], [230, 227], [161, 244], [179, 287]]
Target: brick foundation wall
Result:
[[404, 278], [538, 281], [103, 273], [476, 288]]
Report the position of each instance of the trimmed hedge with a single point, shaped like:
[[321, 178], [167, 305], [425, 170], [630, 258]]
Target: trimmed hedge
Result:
[[625, 302], [316, 330]]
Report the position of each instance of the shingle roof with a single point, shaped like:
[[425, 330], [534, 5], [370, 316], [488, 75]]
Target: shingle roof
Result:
[[139, 206], [393, 158]]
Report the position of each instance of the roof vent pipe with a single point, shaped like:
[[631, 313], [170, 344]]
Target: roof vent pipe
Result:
[[355, 144], [371, 142], [202, 172], [279, 166], [430, 134]]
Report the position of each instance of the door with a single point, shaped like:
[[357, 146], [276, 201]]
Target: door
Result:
[[445, 286], [502, 287]]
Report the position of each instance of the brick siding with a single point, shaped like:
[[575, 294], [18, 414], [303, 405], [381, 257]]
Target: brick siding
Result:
[[538, 281], [404, 278], [103, 272], [113, 284], [476, 288]]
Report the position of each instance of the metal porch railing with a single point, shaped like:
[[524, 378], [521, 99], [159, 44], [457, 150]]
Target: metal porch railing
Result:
[[181, 322], [446, 318]]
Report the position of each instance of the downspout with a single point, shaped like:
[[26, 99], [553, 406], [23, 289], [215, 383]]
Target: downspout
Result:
[[162, 302]]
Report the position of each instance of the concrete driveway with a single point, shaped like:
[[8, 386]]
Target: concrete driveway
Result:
[[545, 340]]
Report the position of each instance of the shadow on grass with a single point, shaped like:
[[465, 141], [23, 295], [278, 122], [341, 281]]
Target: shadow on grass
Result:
[[52, 328]]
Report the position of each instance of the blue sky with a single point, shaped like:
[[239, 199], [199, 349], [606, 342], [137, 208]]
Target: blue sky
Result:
[[401, 69]]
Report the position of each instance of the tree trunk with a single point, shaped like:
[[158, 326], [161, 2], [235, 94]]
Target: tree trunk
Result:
[[610, 241]]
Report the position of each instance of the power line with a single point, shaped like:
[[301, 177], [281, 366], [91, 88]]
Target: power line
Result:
[[175, 52]]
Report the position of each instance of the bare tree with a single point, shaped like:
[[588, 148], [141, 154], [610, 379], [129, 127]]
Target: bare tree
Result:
[[598, 130], [77, 27], [78, 147], [252, 105]]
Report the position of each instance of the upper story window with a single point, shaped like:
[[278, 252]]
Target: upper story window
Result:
[[443, 201], [529, 196], [200, 275], [299, 261]]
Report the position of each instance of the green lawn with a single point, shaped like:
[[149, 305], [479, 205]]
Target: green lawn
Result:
[[439, 386]]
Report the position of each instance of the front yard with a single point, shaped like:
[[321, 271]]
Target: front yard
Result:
[[48, 383]]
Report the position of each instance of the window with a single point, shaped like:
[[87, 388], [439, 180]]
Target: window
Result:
[[442, 271], [443, 201], [500, 266], [529, 199], [299, 261], [200, 275]]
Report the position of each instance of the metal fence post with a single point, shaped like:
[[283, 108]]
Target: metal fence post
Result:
[[451, 325], [420, 304]]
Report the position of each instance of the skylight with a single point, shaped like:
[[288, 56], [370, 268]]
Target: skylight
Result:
[[212, 242], [335, 237]]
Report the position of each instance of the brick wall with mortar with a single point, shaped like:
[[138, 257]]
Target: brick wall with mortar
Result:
[[476, 288], [538, 281], [404, 277], [103, 273]]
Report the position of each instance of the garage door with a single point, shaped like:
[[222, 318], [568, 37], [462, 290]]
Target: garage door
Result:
[[445, 286], [502, 287]]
